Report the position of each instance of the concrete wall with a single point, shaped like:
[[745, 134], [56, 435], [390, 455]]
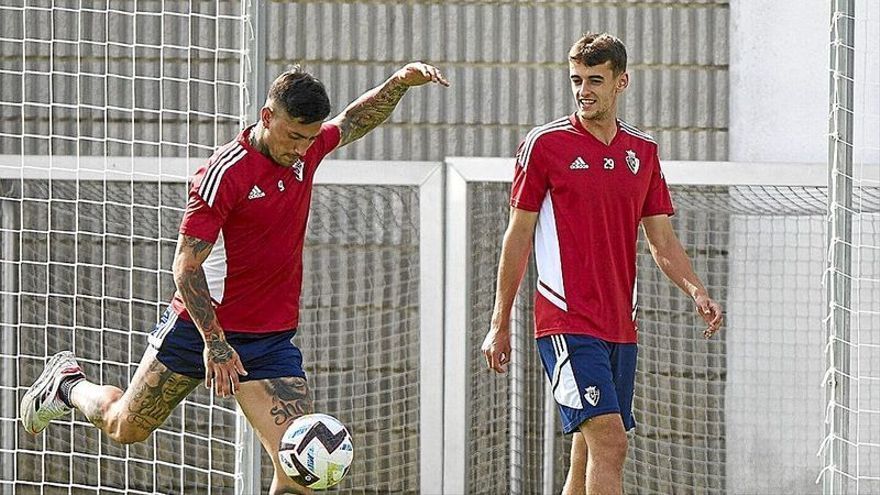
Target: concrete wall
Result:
[[506, 60], [711, 80], [507, 63]]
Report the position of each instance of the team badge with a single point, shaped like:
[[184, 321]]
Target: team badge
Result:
[[592, 395], [298, 166], [632, 161]]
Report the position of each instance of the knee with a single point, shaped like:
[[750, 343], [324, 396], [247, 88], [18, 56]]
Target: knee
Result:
[[612, 449]]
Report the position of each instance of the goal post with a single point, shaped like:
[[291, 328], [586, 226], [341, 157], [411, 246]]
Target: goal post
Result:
[[755, 234], [839, 240], [371, 333], [107, 109], [851, 447]]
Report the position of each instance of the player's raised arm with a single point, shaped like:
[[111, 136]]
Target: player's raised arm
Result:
[[515, 251], [222, 364], [672, 259], [373, 107]]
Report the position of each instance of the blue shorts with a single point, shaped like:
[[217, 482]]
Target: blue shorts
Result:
[[179, 346], [589, 377]]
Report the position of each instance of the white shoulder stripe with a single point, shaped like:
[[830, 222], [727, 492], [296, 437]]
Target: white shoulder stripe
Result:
[[633, 131], [232, 160], [537, 132], [211, 183], [222, 155], [539, 128], [211, 179]]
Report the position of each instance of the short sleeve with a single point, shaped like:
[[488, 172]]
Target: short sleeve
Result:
[[657, 201], [327, 141], [530, 182], [213, 193]]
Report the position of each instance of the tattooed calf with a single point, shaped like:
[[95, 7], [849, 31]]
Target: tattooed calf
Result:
[[161, 391], [290, 398]]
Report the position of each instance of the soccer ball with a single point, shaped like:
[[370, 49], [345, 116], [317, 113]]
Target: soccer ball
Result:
[[316, 451]]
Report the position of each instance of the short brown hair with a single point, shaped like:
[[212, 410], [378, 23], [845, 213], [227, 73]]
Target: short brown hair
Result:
[[596, 49], [301, 95]]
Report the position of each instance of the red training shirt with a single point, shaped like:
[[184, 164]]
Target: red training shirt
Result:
[[254, 211], [590, 198]]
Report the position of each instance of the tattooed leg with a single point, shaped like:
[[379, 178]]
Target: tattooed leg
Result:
[[131, 416], [271, 405]]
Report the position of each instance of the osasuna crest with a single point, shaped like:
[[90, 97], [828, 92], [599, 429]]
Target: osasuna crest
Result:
[[632, 161], [592, 395], [298, 166]]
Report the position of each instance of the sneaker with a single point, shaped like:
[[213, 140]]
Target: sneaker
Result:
[[42, 403]]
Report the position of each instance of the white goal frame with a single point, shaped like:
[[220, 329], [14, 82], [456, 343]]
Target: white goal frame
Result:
[[427, 176], [460, 172]]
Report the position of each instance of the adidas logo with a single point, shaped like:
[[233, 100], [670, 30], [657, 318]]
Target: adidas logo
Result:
[[255, 193], [579, 164]]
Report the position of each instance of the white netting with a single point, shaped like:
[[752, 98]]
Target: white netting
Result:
[[106, 111], [713, 416], [103, 105], [851, 448], [359, 328]]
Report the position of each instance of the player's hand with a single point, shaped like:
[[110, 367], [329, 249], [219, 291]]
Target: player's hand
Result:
[[418, 73], [222, 367], [496, 349], [710, 311]]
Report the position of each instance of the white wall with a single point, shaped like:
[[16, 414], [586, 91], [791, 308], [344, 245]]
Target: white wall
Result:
[[779, 93], [779, 80]]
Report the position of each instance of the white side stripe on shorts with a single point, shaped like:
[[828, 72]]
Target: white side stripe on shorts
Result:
[[563, 384], [157, 336]]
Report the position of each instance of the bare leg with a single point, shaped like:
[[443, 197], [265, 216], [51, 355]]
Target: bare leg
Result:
[[577, 469], [271, 405], [606, 442], [131, 416]]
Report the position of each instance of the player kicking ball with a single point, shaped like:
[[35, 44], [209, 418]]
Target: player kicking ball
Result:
[[238, 271]]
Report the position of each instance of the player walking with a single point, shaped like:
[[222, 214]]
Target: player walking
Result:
[[581, 187]]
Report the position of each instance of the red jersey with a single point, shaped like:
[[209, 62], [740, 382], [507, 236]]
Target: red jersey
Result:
[[590, 198], [254, 211]]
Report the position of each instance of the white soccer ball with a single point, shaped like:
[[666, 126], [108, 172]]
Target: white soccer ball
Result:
[[316, 451]]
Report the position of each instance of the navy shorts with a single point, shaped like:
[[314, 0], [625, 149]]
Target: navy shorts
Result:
[[589, 377], [179, 346]]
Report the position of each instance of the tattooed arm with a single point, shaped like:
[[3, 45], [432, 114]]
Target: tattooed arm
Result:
[[373, 107], [222, 365]]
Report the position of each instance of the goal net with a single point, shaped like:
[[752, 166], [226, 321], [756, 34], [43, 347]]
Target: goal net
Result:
[[851, 447], [107, 109], [98, 101], [738, 413]]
